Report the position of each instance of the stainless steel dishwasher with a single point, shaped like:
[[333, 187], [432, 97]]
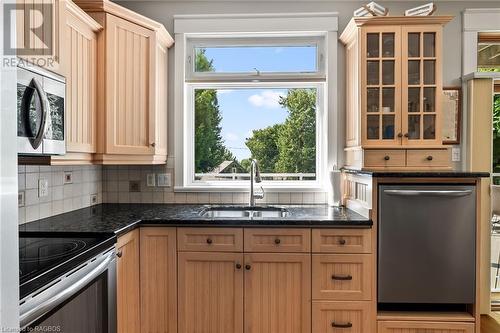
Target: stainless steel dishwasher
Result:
[[426, 244]]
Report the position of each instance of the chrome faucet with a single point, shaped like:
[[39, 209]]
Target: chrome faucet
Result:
[[255, 176]]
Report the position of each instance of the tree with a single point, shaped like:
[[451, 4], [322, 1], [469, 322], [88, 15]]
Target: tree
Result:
[[264, 147], [297, 136], [209, 145]]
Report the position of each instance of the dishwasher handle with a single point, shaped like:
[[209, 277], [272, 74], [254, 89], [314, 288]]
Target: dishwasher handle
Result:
[[434, 193]]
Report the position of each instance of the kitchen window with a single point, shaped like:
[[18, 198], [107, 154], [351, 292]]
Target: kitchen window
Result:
[[260, 96]]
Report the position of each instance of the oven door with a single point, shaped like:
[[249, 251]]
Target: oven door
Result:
[[53, 141], [32, 112], [82, 301]]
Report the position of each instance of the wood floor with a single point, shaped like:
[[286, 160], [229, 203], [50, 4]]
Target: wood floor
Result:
[[490, 324]]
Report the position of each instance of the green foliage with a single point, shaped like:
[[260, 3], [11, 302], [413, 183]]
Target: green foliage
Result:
[[289, 147], [202, 64], [209, 146], [488, 69]]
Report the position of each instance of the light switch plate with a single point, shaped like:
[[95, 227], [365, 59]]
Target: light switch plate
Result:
[[164, 179], [150, 181], [20, 199], [43, 187], [455, 154], [93, 199], [68, 177]]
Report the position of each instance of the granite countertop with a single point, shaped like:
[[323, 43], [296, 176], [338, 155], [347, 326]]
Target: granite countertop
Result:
[[419, 174], [120, 218]]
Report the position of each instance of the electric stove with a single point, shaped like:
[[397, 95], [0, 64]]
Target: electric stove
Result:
[[44, 256]]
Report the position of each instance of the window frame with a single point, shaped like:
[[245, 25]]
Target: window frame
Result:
[[235, 40], [259, 25]]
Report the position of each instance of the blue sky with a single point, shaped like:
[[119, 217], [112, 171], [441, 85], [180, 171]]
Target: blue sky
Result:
[[244, 110]]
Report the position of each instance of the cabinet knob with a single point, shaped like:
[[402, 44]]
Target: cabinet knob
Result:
[[153, 144], [342, 325], [277, 241], [342, 277], [248, 267], [119, 254], [400, 135], [406, 135], [238, 265], [342, 241], [387, 157], [429, 158], [209, 240]]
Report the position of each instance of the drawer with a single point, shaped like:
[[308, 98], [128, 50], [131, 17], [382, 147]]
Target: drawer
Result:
[[342, 277], [428, 158], [210, 239], [384, 158], [277, 240], [343, 317], [342, 240], [424, 326]]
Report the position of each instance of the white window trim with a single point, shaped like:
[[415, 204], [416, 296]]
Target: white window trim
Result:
[[329, 133]]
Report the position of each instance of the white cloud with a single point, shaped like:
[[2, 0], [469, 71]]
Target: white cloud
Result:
[[232, 136], [267, 99], [224, 91]]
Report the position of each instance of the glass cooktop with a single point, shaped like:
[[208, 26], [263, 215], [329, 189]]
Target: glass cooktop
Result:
[[46, 256]]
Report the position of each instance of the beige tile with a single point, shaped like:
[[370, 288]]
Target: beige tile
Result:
[[32, 213], [308, 198], [296, 198], [21, 215], [45, 210], [180, 198], [214, 198], [57, 178], [21, 181], [226, 197], [112, 197], [68, 205], [319, 197], [169, 197], [135, 197], [271, 197], [123, 186], [191, 198], [32, 169], [146, 197], [123, 197], [157, 197], [77, 203], [32, 180], [31, 197], [57, 207], [284, 198], [68, 191]]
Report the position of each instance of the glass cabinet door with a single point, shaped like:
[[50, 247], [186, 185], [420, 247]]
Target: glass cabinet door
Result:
[[421, 86], [381, 88]]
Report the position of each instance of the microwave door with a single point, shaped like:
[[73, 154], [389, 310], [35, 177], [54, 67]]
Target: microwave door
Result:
[[32, 115], [53, 142]]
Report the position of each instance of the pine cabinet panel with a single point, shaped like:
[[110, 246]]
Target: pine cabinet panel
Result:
[[211, 239], [128, 294], [210, 292], [341, 240], [158, 276], [340, 317], [421, 326], [277, 293], [277, 240]]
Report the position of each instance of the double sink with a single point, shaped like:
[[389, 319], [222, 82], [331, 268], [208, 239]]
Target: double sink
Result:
[[244, 212]]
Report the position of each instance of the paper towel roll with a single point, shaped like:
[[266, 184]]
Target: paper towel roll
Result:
[[335, 194]]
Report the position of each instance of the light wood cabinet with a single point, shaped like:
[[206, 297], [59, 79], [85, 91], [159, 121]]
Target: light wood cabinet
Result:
[[277, 293], [394, 87], [158, 280], [341, 241], [46, 47], [132, 86], [340, 317], [421, 326], [277, 240], [128, 286], [210, 292], [211, 239]]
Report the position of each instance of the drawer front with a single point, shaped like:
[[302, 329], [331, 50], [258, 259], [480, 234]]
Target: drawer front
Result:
[[384, 158], [342, 317], [424, 326], [277, 240], [210, 239], [342, 277], [342, 240], [428, 158]]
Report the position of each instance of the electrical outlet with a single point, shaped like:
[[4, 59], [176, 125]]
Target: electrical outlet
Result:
[[20, 199], [164, 179], [151, 181], [93, 199], [43, 187], [455, 154], [134, 186], [68, 177]]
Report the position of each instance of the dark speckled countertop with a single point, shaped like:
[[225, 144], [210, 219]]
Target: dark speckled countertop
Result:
[[418, 174], [120, 218]]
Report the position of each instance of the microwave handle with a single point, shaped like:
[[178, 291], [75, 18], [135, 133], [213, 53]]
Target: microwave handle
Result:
[[44, 105]]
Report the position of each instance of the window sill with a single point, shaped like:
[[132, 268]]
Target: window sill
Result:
[[246, 188]]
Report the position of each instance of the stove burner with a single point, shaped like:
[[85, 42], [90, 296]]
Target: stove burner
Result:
[[37, 252]]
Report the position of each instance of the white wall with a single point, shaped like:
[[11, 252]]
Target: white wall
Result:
[[163, 11]]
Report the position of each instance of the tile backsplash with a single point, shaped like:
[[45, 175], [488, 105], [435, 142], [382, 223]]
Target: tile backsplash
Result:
[[63, 195], [120, 182]]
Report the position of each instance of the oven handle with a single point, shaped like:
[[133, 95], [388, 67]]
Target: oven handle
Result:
[[436, 193], [44, 104], [40, 304]]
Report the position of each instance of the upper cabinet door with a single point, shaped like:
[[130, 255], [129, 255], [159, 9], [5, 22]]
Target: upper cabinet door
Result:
[[130, 85], [381, 86], [422, 85], [40, 32]]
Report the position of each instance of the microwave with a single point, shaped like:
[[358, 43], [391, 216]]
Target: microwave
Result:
[[40, 112]]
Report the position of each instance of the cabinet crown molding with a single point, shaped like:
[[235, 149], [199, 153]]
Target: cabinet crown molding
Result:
[[84, 17]]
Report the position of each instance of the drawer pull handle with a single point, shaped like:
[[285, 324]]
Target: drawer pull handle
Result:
[[429, 158], [277, 241], [342, 241], [248, 267], [346, 325], [119, 254], [209, 240], [238, 265], [387, 157], [342, 277]]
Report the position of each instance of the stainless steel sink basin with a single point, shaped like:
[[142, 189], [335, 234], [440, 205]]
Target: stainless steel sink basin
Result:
[[243, 212]]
